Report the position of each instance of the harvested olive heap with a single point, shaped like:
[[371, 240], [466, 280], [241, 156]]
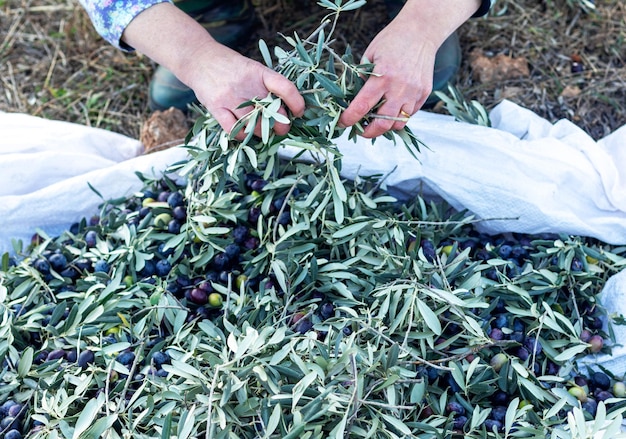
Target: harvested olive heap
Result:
[[243, 295], [404, 320]]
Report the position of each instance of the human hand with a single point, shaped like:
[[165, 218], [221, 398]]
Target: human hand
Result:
[[223, 79], [402, 82], [404, 57]]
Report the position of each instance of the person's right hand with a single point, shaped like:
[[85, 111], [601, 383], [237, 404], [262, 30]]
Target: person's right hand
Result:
[[223, 79]]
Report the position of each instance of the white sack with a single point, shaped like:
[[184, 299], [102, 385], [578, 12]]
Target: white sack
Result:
[[46, 166], [546, 178], [549, 178]]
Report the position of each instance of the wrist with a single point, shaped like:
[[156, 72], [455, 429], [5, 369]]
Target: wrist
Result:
[[436, 20]]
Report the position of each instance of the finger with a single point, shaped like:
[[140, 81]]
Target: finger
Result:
[[377, 127], [387, 114], [408, 110], [284, 89], [362, 103], [227, 120], [279, 128], [404, 116]]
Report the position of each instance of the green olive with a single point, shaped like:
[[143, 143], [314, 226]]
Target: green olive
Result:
[[162, 220], [578, 392], [215, 300], [498, 361]]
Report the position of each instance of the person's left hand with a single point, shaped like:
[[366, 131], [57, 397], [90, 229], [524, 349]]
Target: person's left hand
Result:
[[404, 64]]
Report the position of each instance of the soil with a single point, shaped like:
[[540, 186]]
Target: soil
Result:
[[54, 65]]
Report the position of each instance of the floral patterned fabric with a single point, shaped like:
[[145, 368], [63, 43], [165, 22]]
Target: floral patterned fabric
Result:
[[110, 17]]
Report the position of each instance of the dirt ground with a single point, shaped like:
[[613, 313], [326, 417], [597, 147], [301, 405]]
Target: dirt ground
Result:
[[54, 65]]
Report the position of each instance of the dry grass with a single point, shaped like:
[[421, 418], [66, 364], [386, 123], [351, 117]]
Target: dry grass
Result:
[[550, 36], [53, 65]]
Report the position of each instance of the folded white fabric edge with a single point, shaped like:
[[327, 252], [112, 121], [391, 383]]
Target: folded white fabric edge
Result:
[[55, 208], [46, 177]]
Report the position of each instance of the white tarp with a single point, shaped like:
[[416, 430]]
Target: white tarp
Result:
[[46, 168], [549, 178], [544, 177]]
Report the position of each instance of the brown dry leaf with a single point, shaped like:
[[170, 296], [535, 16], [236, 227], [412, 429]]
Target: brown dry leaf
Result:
[[497, 68], [511, 92], [570, 91], [163, 129]]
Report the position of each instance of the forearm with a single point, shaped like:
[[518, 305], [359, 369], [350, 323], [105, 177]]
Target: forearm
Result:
[[171, 38], [437, 19], [221, 78]]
